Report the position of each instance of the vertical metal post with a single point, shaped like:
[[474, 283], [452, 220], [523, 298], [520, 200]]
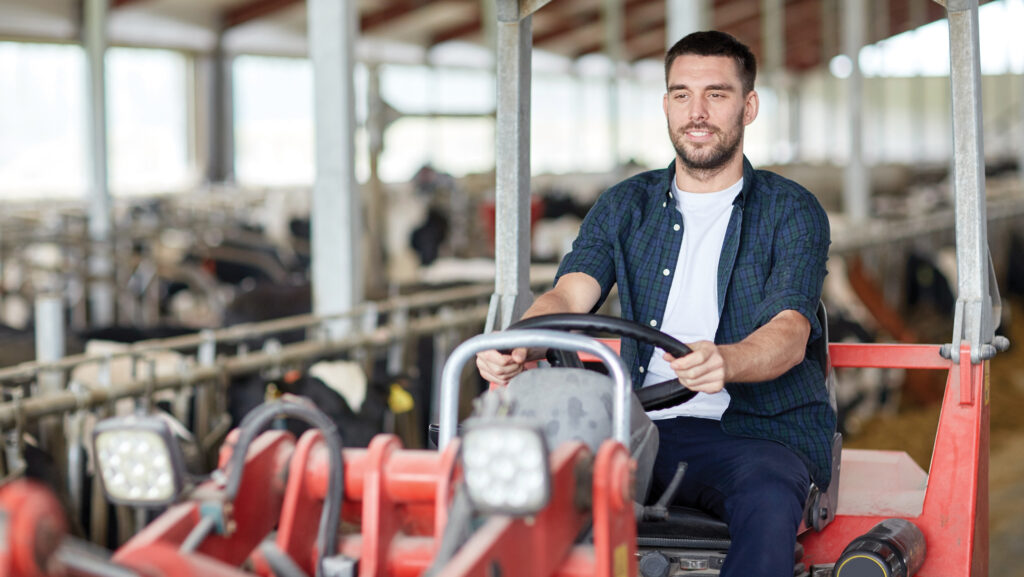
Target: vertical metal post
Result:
[[918, 95], [101, 264], [856, 184], [1020, 135], [614, 29], [512, 167], [773, 33], [685, 16], [973, 321], [376, 209], [220, 115], [49, 339], [335, 220]]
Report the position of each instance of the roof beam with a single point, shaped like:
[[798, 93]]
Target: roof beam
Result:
[[252, 10], [121, 3], [583, 19], [392, 11], [471, 26]]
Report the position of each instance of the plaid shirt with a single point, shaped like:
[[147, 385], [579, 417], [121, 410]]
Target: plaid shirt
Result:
[[773, 259]]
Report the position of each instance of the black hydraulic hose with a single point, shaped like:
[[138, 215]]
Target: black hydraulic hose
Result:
[[256, 422]]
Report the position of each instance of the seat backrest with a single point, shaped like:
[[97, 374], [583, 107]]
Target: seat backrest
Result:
[[817, 350]]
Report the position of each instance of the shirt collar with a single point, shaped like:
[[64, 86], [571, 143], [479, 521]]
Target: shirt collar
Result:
[[748, 182]]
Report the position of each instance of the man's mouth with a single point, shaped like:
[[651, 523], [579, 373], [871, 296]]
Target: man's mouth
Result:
[[698, 133]]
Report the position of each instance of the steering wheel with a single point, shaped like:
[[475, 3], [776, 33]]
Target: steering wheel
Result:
[[658, 396]]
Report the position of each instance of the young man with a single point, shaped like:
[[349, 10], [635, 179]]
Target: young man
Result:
[[731, 261]]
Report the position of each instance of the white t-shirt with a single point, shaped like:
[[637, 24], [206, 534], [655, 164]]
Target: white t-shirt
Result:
[[691, 313]]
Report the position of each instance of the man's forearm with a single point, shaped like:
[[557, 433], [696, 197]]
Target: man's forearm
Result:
[[769, 351]]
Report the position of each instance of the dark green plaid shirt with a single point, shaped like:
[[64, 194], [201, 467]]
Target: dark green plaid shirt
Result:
[[773, 259]]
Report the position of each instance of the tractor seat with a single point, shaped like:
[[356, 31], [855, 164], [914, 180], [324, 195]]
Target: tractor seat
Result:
[[688, 528]]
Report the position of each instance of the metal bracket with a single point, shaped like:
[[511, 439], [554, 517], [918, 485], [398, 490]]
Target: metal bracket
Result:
[[516, 10]]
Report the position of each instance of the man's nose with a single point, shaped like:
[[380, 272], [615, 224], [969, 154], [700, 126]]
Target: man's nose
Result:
[[698, 110]]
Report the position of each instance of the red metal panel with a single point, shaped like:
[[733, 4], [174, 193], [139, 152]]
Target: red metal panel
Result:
[[954, 519], [253, 514]]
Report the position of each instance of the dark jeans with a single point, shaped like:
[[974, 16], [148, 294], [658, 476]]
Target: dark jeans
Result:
[[757, 486]]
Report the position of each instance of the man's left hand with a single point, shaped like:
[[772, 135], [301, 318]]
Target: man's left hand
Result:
[[703, 370]]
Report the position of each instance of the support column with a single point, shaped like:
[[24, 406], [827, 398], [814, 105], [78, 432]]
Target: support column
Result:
[[49, 340], [973, 321], [336, 218], [220, 118], [918, 95], [856, 184], [101, 254], [773, 34], [613, 42], [1020, 135], [685, 16], [512, 167], [376, 201]]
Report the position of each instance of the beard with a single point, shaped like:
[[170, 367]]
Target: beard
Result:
[[708, 159]]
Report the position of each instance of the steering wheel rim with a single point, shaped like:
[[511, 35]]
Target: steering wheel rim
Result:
[[658, 396]]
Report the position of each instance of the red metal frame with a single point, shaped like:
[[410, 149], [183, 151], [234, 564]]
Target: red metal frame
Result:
[[399, 498], [954, 512]]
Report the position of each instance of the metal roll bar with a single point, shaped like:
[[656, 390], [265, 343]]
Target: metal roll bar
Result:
[[533, 338]]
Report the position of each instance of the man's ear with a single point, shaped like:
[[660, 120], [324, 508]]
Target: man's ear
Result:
[[750, 107], [664, 104]]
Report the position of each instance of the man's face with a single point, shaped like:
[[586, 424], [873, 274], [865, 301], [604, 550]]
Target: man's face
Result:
[[707, 110]]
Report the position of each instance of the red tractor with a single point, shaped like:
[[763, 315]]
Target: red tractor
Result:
[[497, 500]]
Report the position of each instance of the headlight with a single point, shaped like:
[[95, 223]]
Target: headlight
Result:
[[139, 461], [506, 467]]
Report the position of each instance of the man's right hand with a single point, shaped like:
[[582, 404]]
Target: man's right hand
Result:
[[499, 368]]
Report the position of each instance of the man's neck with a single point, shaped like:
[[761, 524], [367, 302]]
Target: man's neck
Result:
[[693, 180]]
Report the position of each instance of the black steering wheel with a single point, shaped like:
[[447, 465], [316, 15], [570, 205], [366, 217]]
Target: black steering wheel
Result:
[[658, 396]]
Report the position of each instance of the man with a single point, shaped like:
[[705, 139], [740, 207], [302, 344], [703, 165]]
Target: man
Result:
[[731, 261]]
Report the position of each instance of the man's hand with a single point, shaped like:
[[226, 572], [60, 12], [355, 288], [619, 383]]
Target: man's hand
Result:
[[701, 371], [498, 368]]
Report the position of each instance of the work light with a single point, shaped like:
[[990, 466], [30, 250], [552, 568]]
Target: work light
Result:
[[506, 467], [139, 460]]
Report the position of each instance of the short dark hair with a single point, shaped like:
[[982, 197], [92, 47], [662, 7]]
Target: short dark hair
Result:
[[715, 43]]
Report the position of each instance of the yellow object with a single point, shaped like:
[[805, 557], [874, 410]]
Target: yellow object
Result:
[[399, 400]]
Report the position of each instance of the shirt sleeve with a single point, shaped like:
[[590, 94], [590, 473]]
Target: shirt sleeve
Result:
[[799, 256], [593, 251]]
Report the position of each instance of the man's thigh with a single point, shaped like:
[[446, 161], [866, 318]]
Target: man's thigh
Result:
[[722, 467]]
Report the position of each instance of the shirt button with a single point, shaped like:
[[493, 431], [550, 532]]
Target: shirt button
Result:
[[666, 272], [654, 323], [664, 204], [641, 370], [675, 227]]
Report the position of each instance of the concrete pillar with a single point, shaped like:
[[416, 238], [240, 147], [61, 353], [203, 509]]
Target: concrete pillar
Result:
[[685, 16], [512, 166], [336, 219], [614, 31], [856, 184], [773, 34], [101, 261], [220, 121]]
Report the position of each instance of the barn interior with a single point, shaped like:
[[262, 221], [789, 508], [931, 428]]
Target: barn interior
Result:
[[207, 204]]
